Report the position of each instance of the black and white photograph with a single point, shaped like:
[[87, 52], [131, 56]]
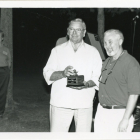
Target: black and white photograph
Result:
[[70, 69]]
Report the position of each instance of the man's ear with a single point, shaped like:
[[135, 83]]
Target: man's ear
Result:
[[84, 33], [68, 31], [120, 41]]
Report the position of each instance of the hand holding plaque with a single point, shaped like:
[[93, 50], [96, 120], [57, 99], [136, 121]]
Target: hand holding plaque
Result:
[[75, 80]]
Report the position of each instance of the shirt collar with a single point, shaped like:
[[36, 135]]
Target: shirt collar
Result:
[[125, 52], [120, 57], [82, 43]]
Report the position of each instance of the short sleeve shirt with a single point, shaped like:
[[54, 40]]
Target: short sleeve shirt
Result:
[[124, 80]]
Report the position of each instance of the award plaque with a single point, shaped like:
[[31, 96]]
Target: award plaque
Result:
[[75, 80]]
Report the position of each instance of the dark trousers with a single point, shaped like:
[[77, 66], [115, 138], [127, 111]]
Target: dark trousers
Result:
[[4, 81], [136, 120]]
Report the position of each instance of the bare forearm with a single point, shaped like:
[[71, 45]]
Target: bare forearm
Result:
[[61, 74], [57, 75], [132, 100], [130, 106]]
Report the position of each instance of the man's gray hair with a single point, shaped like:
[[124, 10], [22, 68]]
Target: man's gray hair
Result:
[[80, 21], [117, 32]]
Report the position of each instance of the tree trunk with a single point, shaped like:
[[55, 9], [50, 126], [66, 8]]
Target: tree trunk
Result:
[[6, 26], [101, 23]]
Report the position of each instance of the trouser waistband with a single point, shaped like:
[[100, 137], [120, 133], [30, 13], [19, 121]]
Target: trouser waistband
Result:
[[113, 106]]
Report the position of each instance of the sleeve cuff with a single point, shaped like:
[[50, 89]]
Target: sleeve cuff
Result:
[[47, 77]]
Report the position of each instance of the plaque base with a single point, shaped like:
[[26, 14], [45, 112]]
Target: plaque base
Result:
[[75, 81]]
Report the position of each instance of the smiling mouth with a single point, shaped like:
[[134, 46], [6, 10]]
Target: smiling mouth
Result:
[[109, 50], [74, 37]]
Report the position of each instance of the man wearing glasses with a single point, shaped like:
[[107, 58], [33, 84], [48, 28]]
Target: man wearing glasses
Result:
[[119, 87], [68, 102]]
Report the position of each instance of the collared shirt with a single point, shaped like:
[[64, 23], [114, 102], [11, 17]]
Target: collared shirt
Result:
[[124, 80], [87, 61]]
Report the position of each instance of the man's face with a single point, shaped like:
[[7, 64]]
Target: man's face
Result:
[[112, 44], [76, 32]]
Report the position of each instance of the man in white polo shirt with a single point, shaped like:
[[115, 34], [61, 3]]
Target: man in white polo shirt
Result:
[[76, 102]]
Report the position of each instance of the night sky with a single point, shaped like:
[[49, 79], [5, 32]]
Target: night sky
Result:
[[36, 30]]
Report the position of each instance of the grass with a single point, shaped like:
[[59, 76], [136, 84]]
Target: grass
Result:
[[31, 108]]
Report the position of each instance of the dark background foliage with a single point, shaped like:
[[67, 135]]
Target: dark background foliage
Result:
[[36, 30]]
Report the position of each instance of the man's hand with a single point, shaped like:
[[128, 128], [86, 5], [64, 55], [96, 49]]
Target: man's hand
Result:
[[68, 71], [86, 85], [123, 125], [132, 100]]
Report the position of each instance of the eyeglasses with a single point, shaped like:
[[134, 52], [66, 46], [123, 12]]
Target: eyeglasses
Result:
[[76, 30], [104, 79]]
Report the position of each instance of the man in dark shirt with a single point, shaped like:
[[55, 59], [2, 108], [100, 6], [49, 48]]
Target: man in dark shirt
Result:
[[119, 87]]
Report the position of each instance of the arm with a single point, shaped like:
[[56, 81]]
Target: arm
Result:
[[132, 100], [51, 66], [51, 72], [133, 82], [62, 74], [57, 75]]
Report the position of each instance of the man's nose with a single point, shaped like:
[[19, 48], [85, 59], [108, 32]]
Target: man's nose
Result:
[[74, 31], [107, 45]]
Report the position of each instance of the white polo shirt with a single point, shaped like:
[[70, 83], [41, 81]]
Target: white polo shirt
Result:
[[87, 61]]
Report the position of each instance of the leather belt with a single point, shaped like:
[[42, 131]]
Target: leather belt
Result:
[[113, 107]]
